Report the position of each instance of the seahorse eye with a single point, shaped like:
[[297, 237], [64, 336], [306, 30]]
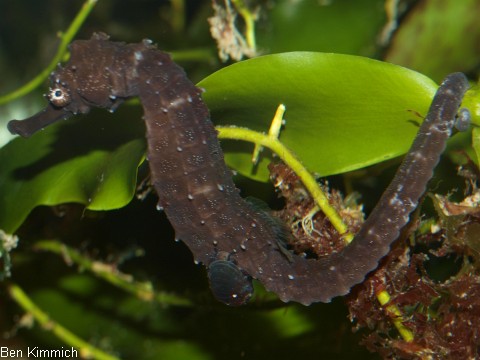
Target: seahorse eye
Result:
[[59, 97]]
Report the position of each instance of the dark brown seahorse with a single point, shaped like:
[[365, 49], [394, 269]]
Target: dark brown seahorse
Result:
[[195, 188]]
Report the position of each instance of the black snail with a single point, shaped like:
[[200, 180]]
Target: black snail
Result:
[[233, 239], [228, 283]]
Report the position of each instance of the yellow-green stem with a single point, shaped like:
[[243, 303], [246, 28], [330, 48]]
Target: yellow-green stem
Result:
[[237, 133], [249, 19], [109, 273], [383, 298], [85, 349], [65, 39]]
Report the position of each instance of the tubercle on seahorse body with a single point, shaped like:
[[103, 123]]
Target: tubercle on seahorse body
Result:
[[195, 187]]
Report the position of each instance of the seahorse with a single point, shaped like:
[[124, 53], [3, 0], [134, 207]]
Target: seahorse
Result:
[[233, 239]]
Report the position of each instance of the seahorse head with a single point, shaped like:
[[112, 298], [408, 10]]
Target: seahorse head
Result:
[[92, 78]]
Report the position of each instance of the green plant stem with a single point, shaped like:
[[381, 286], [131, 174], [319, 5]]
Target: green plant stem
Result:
[[271, 141], [383, 298], [200, 54], [109, 273], [237, 133], [65, 39], [85, 349], [178, 15], [249, 19]]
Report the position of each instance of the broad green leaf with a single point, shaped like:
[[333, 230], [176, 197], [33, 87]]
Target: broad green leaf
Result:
[[93, 163], [343, 112], [438, 39], [332, 26]]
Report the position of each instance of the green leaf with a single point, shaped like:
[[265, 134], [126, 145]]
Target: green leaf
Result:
[[333, 26], [476, 143], [438, 40], [343, 112], [77, 161]]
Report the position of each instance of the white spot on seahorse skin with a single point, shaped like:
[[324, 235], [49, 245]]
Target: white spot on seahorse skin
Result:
[[440, 128], [179, 149], [220, 187], [196, 262], [177, 102], [202, 222], [291, 277], [164, 109], [243, 247], [215, 242], [148, 81], [160, 63], [253, 224], [190, 197], [112, 97], [204, 142], [332, 268], [395, 201], [189, 99], [418, 155], [410, 202], [159, 207], [449, 92], [464, 119], [138, 55]]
